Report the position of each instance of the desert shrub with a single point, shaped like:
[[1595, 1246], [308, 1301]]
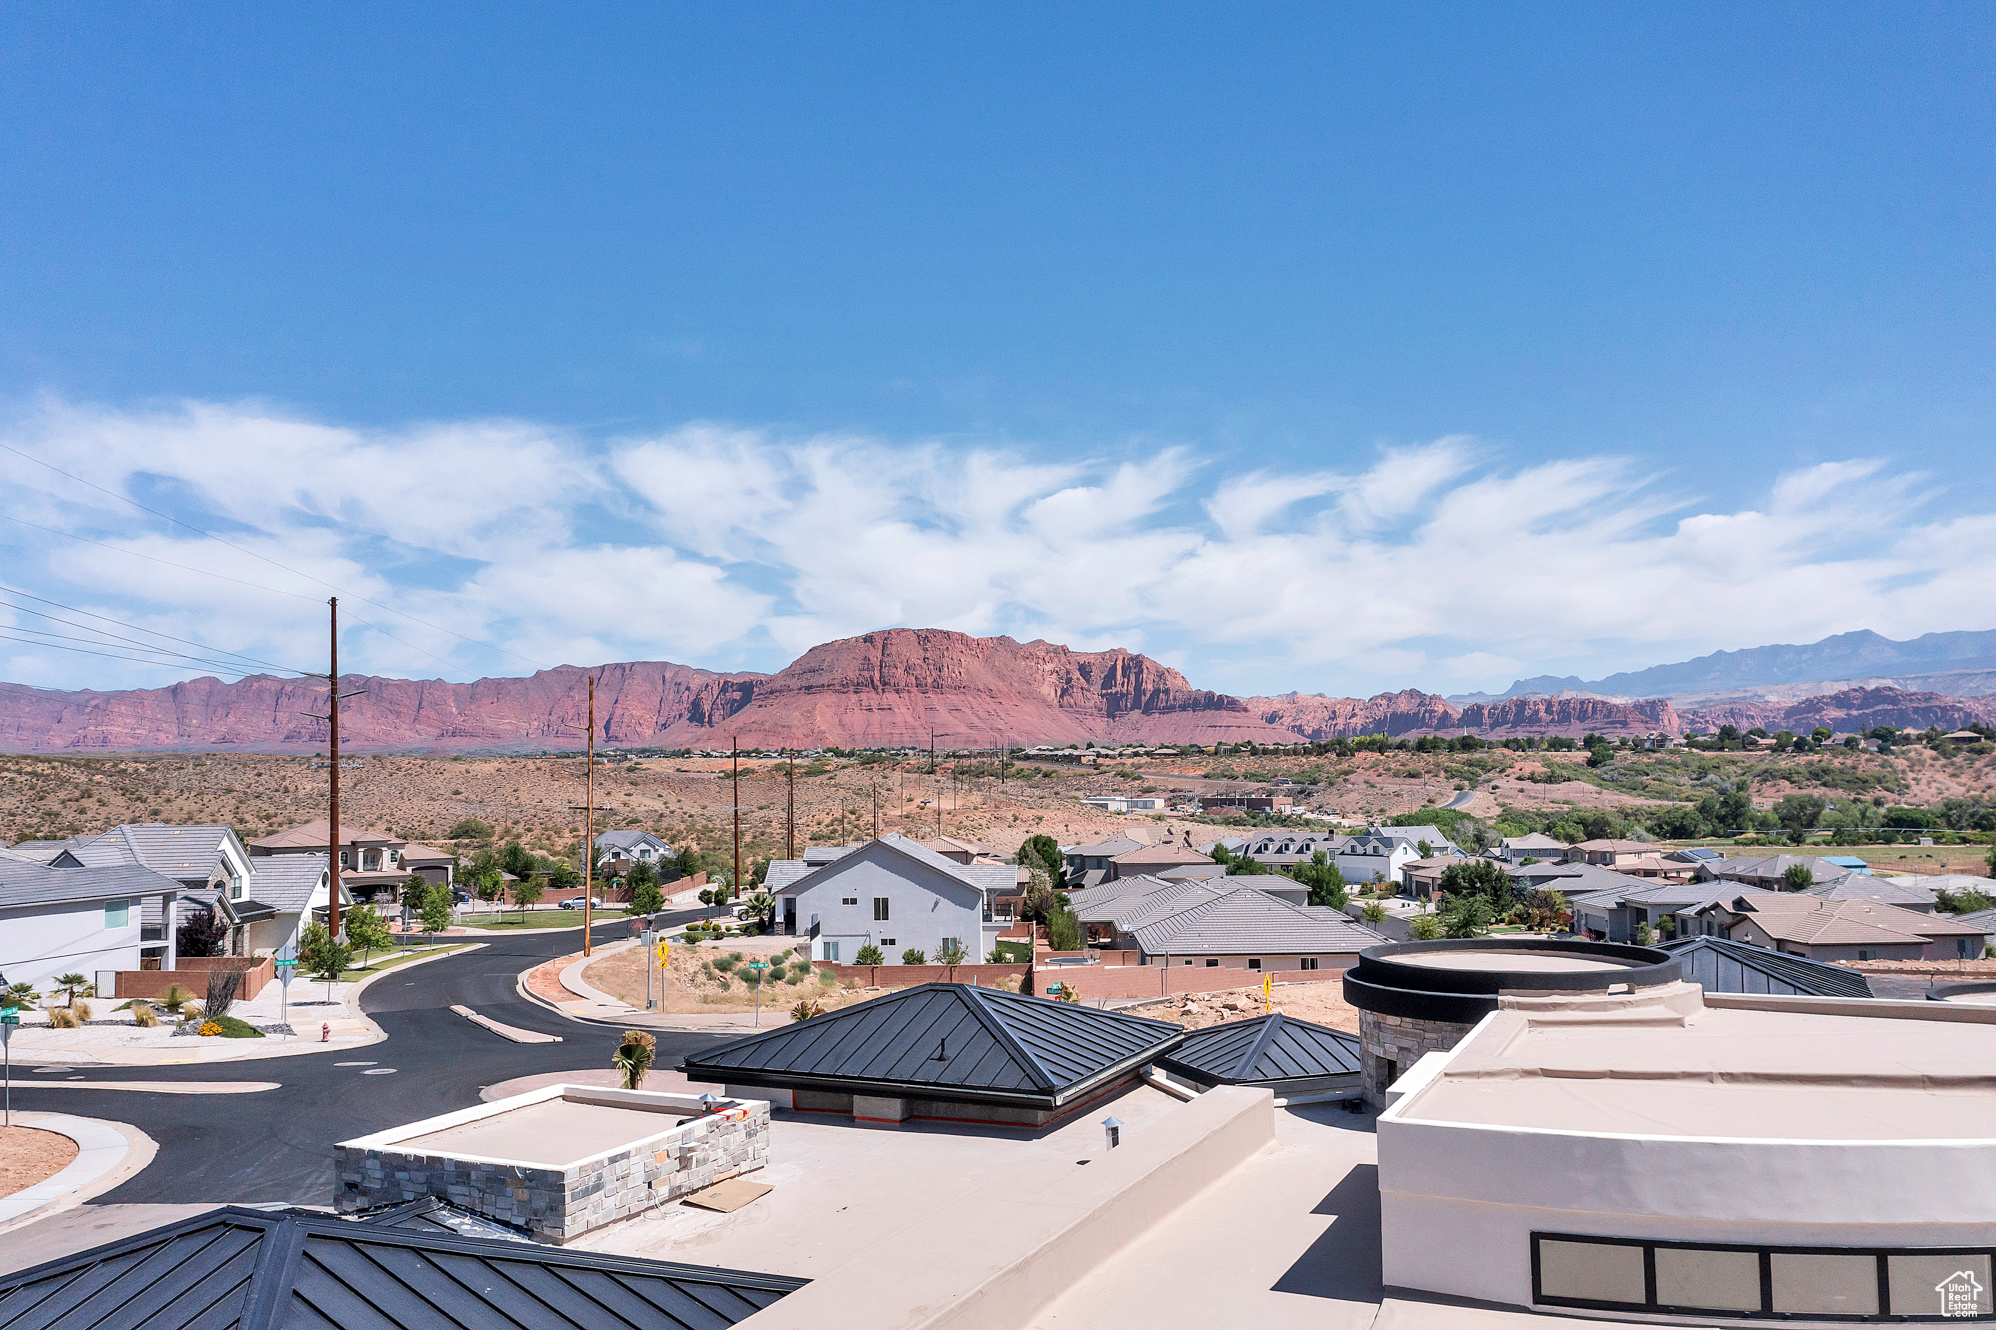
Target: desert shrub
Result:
[[62, 1018], [232, 1028], [805, 1009], [1373, 913], [143, 1015], [914, 956], [222, 988], [81, 1008], [869, 955], [794, 976], [826, 979], [726, 964], [176, 998], [634, 1057], [1424, 927], [211, 1028]]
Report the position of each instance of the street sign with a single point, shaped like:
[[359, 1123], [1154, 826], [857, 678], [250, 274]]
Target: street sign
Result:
[[664, 950]]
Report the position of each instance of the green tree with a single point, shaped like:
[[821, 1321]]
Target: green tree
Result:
[[1327, 885], [563, 874], [633, 1058], [321, 954], [1990, 859], [469, 828], [869, 955], [647, 897], [950, 952], [366, 930], [71, 984], [1467, 916], [1372, 912], [527, 893], [19, 995], [1427, 850], [1797, 877], [1064, 931], [1545, 909], [1481, 878], [1424, 927], [436, 909], [914, 956], [517, 860], [1966, 901], [1799, 813], [761, 908], [1044, 851]]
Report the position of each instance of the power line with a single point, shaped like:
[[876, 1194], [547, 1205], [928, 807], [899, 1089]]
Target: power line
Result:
[[88, 614], [113, 655], [153, 558], [183, 659], [168, 517]]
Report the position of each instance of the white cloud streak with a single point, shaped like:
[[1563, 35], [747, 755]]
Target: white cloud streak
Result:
[[1438, 565]]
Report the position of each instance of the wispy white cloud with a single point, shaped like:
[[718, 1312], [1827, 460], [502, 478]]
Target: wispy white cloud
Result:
[[1442, 564]]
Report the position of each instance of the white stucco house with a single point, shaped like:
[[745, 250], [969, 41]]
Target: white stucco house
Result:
[[56, 921], [893, 894], [638, 846]]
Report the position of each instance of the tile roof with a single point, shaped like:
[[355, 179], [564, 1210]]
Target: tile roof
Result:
[[41, 851], [1148, 909], [312, 836], [1773, 866], [1161, 855], [1244, 922], [1108, 849], [1724, 966], [26, 883], [1914, 895], [1812, 921], [1276, 1051], [285, 882], [261, 1270], [951, 1040], [178, 852]]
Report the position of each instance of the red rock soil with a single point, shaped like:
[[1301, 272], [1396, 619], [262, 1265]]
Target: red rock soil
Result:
[[28, 1156]]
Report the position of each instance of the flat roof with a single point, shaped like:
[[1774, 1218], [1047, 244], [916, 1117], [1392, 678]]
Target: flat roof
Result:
[[1494, 958], [552, 1134], [1651, 1068]]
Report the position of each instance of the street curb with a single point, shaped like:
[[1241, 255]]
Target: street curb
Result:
[[512, 1032], [108, 1153]]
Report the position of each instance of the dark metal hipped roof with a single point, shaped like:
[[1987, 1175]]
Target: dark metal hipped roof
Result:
[[948, 1041], [261, 1270], [1276, 1051], [1721, 965]]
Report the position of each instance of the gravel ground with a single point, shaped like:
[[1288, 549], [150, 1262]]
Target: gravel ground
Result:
[[29, 1155]]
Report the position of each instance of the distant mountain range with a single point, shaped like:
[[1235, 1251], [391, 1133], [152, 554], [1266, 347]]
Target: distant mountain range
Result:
[[1959, 664], [905, 686]]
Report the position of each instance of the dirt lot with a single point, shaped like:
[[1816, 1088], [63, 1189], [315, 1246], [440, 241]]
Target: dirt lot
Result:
[[707, 978], [1318, 1002], [688, 800], [28, 1156]]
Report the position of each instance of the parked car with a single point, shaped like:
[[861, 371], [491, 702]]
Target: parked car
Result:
[[575, 903]]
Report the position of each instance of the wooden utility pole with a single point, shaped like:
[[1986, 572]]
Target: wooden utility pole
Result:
[[736, 886], [332, 718], [589, 822], [790, 820], [333, 804], [588, 819]]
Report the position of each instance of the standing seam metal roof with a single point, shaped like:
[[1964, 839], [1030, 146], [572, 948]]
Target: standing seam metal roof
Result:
[[258, 1270], [1721, 965], [1267, 1050], [951, 1040]]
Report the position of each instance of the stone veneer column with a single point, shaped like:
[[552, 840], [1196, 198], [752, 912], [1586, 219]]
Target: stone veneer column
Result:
[[1400, 1040]]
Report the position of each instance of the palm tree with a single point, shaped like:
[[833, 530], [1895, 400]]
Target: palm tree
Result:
[[71, 984]]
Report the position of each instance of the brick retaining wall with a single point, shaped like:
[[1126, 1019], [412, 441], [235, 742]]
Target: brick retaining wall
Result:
[[192, 976]]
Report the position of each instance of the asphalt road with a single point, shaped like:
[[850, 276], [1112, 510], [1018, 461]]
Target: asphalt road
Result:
[[277, 1145]]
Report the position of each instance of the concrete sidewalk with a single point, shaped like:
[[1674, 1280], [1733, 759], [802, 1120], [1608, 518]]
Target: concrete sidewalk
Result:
[[326, 1022]]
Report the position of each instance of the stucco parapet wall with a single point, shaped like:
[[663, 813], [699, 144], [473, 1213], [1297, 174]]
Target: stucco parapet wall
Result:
[[557, 1200], [993, 1261]]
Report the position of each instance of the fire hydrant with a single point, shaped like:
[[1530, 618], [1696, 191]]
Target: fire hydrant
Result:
[[326, 1033]]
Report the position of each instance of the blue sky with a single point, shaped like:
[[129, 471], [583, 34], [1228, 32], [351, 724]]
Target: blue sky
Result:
[[1309, 347]]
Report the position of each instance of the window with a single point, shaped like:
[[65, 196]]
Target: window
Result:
[[848, 900], [880, 907], [117, 914], [1211, 962], [235, 887], [1307, 963], [887, 942], [1864, 955], [1686, 1279], [1254, 963], [832, 952], [343, 860]]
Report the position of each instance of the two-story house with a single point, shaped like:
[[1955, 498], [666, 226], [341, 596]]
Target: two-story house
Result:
[[893, 894]]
